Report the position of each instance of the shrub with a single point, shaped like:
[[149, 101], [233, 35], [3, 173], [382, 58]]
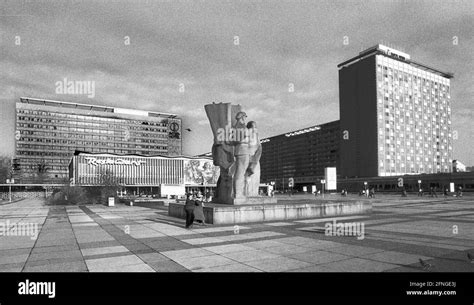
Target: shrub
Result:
[[69, 195]]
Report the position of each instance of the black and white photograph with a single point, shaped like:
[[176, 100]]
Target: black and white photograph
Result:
[[224, 141]]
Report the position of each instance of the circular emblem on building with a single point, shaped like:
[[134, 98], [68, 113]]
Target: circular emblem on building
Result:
[[174, 126]]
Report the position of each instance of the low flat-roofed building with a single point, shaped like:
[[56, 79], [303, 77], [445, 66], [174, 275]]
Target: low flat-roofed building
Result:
[[136, 174]]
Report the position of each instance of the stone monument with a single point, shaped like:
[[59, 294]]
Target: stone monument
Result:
[[237, 151]]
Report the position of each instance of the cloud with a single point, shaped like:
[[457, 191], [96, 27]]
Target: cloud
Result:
[[192, 43]]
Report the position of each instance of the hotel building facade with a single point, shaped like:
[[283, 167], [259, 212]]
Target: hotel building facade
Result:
[[395, 116], [49, 132]]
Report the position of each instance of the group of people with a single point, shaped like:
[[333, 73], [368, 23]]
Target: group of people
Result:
[[370, 193], [194, 209]]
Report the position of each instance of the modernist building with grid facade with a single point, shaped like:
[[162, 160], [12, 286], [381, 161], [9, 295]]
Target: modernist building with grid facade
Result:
[[49, 132], [395, 115], [301, 154]]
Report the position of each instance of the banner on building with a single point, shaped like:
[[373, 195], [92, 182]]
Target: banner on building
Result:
[[331, 178]]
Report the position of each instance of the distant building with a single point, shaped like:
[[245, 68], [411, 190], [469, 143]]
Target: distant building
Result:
[[301, 154], [458, 166], [395, 115], [48, 132]]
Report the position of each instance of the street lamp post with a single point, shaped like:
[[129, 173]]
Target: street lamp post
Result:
[[323, 182], [10, 182]]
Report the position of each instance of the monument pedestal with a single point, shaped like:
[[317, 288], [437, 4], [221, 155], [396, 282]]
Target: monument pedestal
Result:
[[215, 213], [253, 200]]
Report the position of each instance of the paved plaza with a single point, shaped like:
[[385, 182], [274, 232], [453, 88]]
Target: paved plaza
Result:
[[96, 238]]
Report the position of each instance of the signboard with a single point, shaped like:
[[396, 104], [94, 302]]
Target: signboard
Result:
[[291, 182], [313, 188], [451, 187], [169, 190], [174, 137], [111, 201], [331, 178], [305, 189], [109, 161], [400, 182]]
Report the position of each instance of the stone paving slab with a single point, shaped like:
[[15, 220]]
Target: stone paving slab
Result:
[[229, 268], [358, 265], [103, 250], [202, 262], [228, 248], [319, 257], [394, 257], [58, 267], [278, 264], [250, 255]]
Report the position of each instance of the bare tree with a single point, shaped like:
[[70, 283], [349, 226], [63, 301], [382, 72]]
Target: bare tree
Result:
[[6, 168], [41, 172], [110, 184]]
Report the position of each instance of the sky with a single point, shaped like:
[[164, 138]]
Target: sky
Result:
[[177, 56]]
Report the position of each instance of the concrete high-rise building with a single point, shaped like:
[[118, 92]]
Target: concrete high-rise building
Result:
[[395, 115], [49, 132], [301, 154]]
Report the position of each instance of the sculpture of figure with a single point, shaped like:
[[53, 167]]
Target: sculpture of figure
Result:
[[253, 169], [237, 151], [222, 118], [242, 155]]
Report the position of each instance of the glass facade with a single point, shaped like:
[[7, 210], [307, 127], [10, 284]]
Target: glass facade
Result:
[[49, 132], [413, 119]]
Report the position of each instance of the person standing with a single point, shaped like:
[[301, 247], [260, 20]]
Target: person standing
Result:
[[199, 209], [189, 210]]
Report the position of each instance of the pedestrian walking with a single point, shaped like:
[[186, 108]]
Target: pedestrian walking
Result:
[[445, 193], [420, 192], [199, 209], [459, 193], [372, 193], [189, 210]]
